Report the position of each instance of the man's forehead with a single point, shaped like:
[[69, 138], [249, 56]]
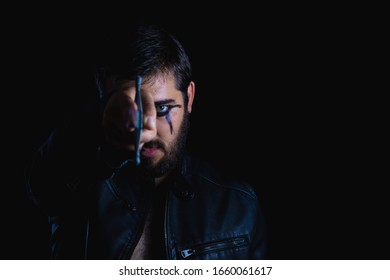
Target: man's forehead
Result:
[[161, 88]]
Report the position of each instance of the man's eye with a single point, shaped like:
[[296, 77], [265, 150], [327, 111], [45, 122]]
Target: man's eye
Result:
[[162, 110]]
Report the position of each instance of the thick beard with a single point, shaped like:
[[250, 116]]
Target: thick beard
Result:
[[173, 157]]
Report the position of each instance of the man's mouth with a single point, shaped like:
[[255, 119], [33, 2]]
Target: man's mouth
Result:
[[149, 152]]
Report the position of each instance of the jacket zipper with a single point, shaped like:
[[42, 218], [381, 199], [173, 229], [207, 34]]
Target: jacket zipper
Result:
[[213, 246], [165, 227]]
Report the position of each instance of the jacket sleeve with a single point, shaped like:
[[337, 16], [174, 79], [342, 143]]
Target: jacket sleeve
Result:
[[259, 239], [68, 163]]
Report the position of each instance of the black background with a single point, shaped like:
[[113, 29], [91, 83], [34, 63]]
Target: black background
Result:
[[278, 101]]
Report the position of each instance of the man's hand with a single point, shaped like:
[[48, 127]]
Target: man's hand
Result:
[[120, 114]]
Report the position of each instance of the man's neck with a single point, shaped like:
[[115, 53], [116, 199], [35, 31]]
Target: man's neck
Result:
[[159, 180]]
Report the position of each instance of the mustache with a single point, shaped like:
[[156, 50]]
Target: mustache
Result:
[[155, 144]]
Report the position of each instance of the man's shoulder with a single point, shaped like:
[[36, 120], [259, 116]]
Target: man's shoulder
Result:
[[206, 173]]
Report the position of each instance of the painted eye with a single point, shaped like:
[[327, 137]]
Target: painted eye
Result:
[[162, 110]]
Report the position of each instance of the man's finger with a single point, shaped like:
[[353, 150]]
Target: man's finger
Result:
[[149, 111]]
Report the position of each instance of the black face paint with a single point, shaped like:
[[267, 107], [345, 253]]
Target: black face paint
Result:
[[165, 110], [168, 118]]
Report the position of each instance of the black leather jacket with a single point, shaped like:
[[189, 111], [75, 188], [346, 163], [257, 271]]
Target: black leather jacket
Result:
[[206, 215]]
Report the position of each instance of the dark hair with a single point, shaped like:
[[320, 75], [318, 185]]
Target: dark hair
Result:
[[147, 51]]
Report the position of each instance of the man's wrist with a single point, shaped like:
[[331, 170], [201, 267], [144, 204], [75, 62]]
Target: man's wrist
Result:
[[112, 157]]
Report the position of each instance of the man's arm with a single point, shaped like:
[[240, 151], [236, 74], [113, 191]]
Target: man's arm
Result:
[[68, 163], [259, 240], [91, 146]]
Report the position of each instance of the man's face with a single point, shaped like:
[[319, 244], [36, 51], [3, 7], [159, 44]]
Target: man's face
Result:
[[162, 154]]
